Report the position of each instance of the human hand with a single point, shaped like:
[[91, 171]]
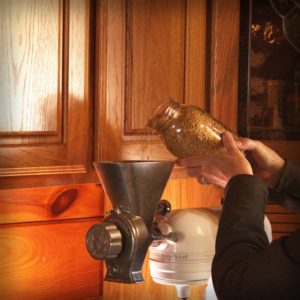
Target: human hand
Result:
[[218, 169], [266, 163]]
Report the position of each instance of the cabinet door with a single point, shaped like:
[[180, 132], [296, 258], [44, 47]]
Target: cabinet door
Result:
[[48, 261], [42, 242], [146, 51], [45, 92]]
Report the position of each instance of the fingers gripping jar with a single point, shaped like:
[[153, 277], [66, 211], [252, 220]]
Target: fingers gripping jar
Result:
[[186, 129]]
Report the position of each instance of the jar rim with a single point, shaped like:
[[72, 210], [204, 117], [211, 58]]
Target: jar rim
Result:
[[160, 110]]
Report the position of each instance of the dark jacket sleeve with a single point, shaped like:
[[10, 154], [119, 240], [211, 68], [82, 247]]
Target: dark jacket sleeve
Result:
[[287, 191], [245, 266]]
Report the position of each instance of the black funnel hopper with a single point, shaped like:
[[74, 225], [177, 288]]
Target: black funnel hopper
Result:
[[135, 186], [122, 239]]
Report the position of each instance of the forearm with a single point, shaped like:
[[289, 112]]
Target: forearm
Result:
[[241, 234], [272, 274], [287, 191], [243, 210], [245, 266]]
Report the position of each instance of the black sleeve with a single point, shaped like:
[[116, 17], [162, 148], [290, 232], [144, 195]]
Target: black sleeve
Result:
[[287, 191], [245, 266]]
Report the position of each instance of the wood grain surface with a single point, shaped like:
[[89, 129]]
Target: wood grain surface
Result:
[[31, 51], [146, 51], [218, 81], [48, 261], [51, 203], [155, 57], [46, 93]]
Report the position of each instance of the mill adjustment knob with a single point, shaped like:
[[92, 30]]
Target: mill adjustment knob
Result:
[[104, 241]]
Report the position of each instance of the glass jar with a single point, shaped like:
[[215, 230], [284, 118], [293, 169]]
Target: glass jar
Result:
[[186, 129]]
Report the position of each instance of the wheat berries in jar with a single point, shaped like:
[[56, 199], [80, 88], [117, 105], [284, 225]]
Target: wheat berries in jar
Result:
[[186, 129]]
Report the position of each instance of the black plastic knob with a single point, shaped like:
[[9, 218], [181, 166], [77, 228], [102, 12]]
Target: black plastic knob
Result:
[[164, 207], [104, 241]]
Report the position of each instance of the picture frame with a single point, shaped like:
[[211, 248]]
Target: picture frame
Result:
[[269, 74]]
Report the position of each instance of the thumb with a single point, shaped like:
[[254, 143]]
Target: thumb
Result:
[[229, 143], [246, 144]]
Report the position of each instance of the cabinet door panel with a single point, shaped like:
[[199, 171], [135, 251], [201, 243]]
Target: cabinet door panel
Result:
[[155, 60], [48, 261], [146, 52], [45, 92], [30, 52]]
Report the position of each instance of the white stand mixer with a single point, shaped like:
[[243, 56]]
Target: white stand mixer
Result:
[[185, 259]]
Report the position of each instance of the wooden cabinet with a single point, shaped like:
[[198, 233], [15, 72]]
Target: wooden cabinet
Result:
[[46, 92], [47, 262], [283, 221], [146, 51], [46, 139], [42, 242], [78, 81]]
